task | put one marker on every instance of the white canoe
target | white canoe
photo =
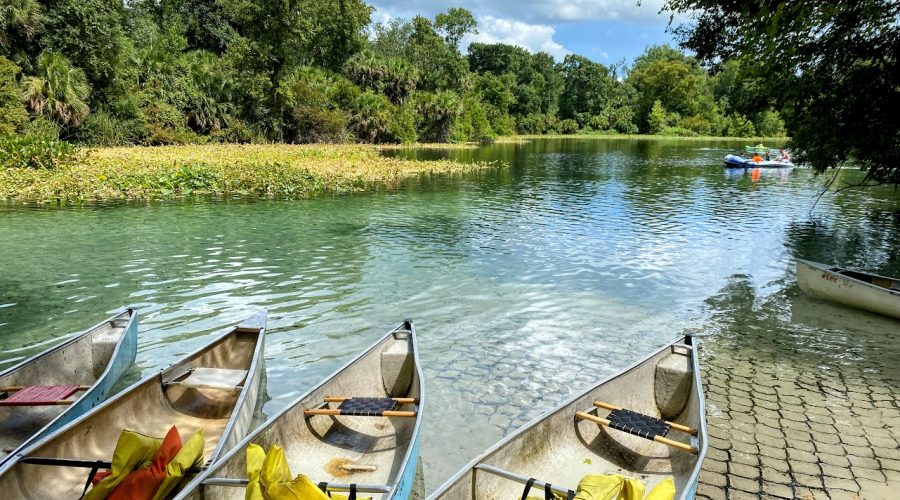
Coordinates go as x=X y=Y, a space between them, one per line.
x=215 y=390
x=378 y=454
x=562 y=446
x=94 y=360
x=871 y=292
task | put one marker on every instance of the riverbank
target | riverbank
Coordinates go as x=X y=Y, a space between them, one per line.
x=276 y=170
x=646 y=137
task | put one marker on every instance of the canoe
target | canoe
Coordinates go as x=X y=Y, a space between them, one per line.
x=93 y=360
x=871 y=292
x=215 y=390
x=573 y=440
x=734 y=161
x=327 y=438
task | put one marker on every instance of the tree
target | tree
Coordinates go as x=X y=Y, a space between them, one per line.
x=12 y=112
x=658 y=119
x=60 y=91
x=20 y=23
x=837 y=65
x=587 y=89
x=454 y=24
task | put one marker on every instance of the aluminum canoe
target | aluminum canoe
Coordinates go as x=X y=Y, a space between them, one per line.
x=559 y=448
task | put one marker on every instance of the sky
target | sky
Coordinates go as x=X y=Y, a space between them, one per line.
x=606 y=31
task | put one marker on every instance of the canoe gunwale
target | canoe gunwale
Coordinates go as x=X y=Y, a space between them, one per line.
x=129 y=329
x=156 y=378
x=700 y=441
x=132 y=312
x=407 y=325
x=830 y=270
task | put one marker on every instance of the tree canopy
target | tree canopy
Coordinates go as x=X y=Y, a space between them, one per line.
x=831 y=67
x=152 y=72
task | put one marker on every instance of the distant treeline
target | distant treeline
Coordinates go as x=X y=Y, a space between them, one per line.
x=108 y=72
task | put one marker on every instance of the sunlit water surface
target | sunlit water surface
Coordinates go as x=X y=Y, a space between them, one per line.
x=527 y=282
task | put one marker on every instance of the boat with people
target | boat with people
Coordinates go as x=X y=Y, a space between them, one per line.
x=760 y=156
x=878 y=294
x=50 y=389
x=210 y=395
x=357 y=432
x=641 y=429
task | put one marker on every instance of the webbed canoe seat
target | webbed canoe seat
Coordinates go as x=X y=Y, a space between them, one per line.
x=225 y=379
x=39 y=395
x=364 y=407
x=638 y=424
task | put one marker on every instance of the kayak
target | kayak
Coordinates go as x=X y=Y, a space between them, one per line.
x=215 y=390
x=734 y=161
x=871 y=292
x=76 y=375
x=357 y=431
x=647 y=422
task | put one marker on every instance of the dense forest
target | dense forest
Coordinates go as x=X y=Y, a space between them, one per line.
x=108 y=72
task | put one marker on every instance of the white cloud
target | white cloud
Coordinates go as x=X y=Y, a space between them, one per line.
x=534 y=37
x=538 y=11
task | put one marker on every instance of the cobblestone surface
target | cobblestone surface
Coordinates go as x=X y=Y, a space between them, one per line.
x=802 y=401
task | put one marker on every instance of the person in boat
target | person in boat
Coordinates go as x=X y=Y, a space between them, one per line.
x=756 y=158
x=784 y=156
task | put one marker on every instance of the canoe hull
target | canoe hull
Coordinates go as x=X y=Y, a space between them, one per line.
x=151 y=407
x=559 y=449
x=121 y=359
x=732 y=161
x=320 y=446
x=824 y=282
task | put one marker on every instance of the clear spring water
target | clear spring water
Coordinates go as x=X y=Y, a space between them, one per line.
x=527 y=282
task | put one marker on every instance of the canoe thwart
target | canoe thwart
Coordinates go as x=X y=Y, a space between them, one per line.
x=40 y=395
x=360 y=488
x=402 y=401
x=623 y=425
x=673 y=425
x=529 y=482
x=363 y=407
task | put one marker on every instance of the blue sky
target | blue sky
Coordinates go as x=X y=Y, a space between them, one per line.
x=606 y=31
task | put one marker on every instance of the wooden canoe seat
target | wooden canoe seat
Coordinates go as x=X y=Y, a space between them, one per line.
x=39 y=395
x=364 y=407
x=213 y=378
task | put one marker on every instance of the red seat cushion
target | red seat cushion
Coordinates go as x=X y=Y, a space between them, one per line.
x=36 y=395
x=143 y=483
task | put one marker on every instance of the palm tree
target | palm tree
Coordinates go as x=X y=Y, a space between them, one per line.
x=371 y=116
x=59 y=91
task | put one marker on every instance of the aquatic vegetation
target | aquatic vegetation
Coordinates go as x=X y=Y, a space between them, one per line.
x=278 y=170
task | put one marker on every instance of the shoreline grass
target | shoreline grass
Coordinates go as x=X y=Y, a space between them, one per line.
x=601 y=135
x=268 y=170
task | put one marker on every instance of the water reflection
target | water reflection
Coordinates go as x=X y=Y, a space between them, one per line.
x=527 y=282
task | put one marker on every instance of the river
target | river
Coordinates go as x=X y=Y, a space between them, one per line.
x=527 y=282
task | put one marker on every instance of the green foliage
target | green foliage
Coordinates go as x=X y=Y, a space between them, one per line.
x=568 y=126
x=20 y=23
x=768 y=123
x=454 y=24
x=837 y=65
x=473 y=123
x=437 y=113
x=311 y=114
x=587 y=90
x=104 y=129
x=59 y=91
x=393 y=77
x=12 y=111
x=35 y=151
x=658 y=119
x=739 y=126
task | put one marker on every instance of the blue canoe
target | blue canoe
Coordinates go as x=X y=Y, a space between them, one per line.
x=359 y=427
x=735 y=161
x=93 y=360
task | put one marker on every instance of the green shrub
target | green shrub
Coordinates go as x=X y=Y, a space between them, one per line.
x=677 y=132
x=568 y=126
x=12 y=110
x=769 y=124
x=103 y=129
x=35 y=151
x=739 y=126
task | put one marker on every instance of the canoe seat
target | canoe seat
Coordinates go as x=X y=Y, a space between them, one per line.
x=39 y=395
x=364 y=407
x=638 y=424
x=213 y=378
